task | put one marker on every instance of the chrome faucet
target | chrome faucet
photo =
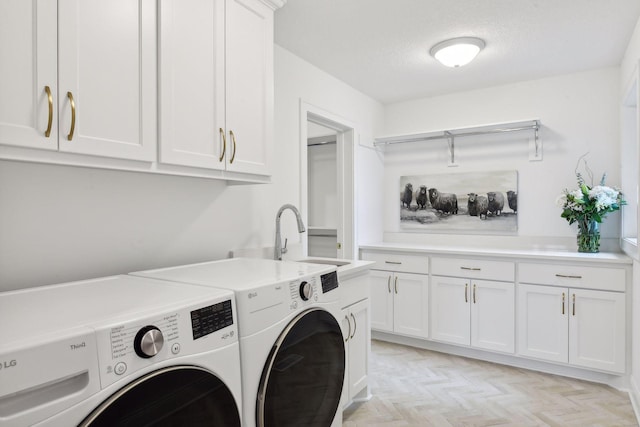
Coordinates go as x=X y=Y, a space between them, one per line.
x=279 y=250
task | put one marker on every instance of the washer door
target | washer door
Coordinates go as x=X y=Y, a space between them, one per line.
x=177 y=396
x=302 y=380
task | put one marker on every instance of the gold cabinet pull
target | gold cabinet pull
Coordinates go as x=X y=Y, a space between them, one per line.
x=73 y=115
x=348 y=333
x=471 y=268
x=474 y=293
x=466 y=292
x=233 y=139
x=389 y=283
x=224 y=144
x=355 y=326
x=47 y=132
x=563 y=298
x=395 y=285
x=574 y=304
x=393 y=262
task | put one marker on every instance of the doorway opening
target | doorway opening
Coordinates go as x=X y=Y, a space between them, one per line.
x=327 y=159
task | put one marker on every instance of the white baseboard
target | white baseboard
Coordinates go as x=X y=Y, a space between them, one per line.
x=634 y=396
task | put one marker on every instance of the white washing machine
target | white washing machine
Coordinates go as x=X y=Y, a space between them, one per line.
x=119 y=351
x=291 y=344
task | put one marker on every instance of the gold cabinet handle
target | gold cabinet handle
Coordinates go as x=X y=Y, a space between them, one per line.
x=574 y=304
x=355 y=326
x=563 y=298
x=395 y=285
x=470 y=268
x=474 y=293
x=47 y=132
x=73 y=115
x=348 y=333
x=224 y=144
x=389 y=283
x=233 y=139
x=393 y=262
x=466 y=292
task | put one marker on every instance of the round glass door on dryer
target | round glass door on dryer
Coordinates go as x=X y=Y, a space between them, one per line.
x=302 y=380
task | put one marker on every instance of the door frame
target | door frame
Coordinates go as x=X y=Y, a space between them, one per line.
x=346 y=134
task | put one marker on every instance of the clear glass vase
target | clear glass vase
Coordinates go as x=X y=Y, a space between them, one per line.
x=589 y=236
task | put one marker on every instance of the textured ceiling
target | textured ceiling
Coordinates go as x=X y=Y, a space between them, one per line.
x=382 y=48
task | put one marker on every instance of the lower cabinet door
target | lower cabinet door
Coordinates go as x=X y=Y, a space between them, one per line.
x=493 y=315
x=542 y=322
x=597 y=330
x=410 y=314
x=449 y=308
x=381 y=300
x=358 y=348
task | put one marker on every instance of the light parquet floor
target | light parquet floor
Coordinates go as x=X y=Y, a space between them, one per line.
x=416 y=387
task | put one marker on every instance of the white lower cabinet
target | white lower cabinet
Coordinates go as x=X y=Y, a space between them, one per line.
x=355 y=323
x=399 y=303
x=356 y=331
x=561 y=310
x=582 y=327
x=479 y=313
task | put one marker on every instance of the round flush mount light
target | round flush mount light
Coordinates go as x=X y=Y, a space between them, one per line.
x=457 y=52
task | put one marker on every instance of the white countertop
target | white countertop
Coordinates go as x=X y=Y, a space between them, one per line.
x=542 y=253
x=351 y=269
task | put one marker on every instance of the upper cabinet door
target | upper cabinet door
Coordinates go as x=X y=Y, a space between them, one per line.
x=107 y=77
x=28 y=56
x=249 y=76
x=192 y=128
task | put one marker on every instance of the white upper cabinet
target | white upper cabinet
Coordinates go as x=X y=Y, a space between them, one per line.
x=249 y=77
x=216 y=84
x=28 y=58
x=103 y=95
x=192 y=113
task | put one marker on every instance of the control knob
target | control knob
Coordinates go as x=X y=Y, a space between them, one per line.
x=148 y=342
x=306 y=291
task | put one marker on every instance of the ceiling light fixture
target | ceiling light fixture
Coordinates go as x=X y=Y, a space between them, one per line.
x=457 y=52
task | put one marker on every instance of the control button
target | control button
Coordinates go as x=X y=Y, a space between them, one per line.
x=306 y=291
x=175 y=348
x=120 y=368
x=148 y=342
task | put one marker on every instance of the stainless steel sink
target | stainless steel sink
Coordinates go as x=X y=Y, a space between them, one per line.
x=335 y=262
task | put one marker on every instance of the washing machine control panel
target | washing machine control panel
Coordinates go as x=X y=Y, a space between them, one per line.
x=304 y=291
x=127 y=347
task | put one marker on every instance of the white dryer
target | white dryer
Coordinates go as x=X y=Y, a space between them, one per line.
x=291 y=343
x=119 y=351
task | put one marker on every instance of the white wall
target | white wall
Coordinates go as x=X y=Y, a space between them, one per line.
x=61 y=223
x=627 y=68
x=297 y=81
x=579 y=113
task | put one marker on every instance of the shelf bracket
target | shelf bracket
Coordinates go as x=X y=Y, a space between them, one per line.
x=451 y=145
x=535 y=144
